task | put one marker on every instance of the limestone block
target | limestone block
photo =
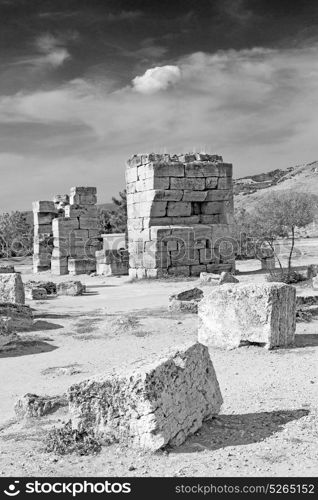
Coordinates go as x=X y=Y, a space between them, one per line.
x=63 y=226
x=11 y=288
x=61 y=199
x=33 y=406
x=196 y=270
x=59 y=266
x=81 y=266
x=260 y=313
x=212 y=182
x=49 y=286
x=186 y=221
x=209 y=278
x=35 y=293
x=43 y=228
x=186 y=301
x=225 y=170
x=73 y=211
x=157 y=221
x=225 y=183
x=189 y=195
x=173 y=169
x=83 y=199
x=179 y=209
x=166 y=195
x=72 y=288
x=218 y=194
x=60 y=253
x=199 y=169
x=212 y=207
x=6 y=268
x=44 y=206
x=83 y=190
x=191 y=184
x=179 y=271
x=156 y=404
x=131 y=175
x=88 y=223
x=210 y=219
x=40 y=218
x=157 y=209
x=21 y=316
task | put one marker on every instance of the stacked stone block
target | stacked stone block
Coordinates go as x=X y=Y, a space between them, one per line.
x=44 y=213
x=70 y=225
x=76 y=235
x=180 y=212
x=113 y=259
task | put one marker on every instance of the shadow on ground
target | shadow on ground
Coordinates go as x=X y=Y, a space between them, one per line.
x=306 y=340
x=41 y=325
x=236 y=430
x=26 y=347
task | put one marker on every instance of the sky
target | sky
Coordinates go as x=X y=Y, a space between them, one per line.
x=85 y=84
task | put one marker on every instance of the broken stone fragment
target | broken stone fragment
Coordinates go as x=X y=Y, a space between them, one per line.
x=231 y=315
x=186 y=301
x=31 y=405
x=36 y=293
x=156 y=404
x=21 y=316
x=4 y=269
x=11 y=288
x=72 y=288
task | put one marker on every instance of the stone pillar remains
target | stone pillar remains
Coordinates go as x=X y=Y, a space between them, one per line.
x=43 y=214
x=180 y=211
x=113 y=259
x=70 y=223
x=231 y=315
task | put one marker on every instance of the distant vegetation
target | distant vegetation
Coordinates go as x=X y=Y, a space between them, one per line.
x=276 y=216
x=114 y=220
x=16 y=235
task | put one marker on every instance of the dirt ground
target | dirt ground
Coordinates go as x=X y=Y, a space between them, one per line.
x=268 y=425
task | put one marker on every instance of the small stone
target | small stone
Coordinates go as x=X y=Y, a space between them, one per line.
x=72 y=288
x=31 y=405
x=227 y=278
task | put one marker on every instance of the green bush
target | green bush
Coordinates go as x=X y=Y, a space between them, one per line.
x=283 y=276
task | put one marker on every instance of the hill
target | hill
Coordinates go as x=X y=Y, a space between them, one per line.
x=251 y=189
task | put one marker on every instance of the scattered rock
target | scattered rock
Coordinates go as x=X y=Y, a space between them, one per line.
x=72 y=288
x=36 y=293
x=4 y=269
x=11 y=288
x=210 y=278
x=31 y=405
x=227 y=278
x=312 y=271
x=158 y=403
x=21 y=316
x=186 y=301
x=254 y=313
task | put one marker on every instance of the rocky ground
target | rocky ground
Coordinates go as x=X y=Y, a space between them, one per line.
x=269 y=420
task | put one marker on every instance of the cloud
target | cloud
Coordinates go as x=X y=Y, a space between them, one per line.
x=156 y=79
x=124 y=15
x=257 y=107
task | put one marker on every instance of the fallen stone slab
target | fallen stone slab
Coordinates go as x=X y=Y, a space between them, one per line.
x=232 y=315
x=11 y=288
x=209 y=278
x=72 y=288
x=21 y=316
x=186 y=301
x=4 y=269
x=156 y=404
x=34 y=406
x=49 y=286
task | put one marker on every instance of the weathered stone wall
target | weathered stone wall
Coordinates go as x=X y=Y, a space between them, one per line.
x=70 y=223
x=155 y=404
x=179 y=209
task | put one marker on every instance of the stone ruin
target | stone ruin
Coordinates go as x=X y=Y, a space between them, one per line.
x=158 y=403
x=66 y=234
x=180 y=211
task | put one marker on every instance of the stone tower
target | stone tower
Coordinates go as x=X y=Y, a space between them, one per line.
x=180 y=212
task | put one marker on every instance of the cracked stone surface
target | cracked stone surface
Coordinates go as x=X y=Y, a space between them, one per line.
x=256 y=313
x=11 y=288
x=32 y=405
x=154 y=405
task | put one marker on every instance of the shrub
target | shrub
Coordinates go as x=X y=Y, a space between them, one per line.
x=65 y=440
x=285 y=276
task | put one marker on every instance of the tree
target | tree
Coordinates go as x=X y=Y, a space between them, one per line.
x=115 y=220
x=278 y=215
x=16 y=235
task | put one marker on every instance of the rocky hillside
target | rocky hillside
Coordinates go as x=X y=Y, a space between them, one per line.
x=251 y=189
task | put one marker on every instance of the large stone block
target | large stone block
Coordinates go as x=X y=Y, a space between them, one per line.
x=72 y=288
x=40 y=218
x=21 y=316
x=258 y=313
x=44 y=206
x=158 y=403
x=191 y=184
x=11 y=288
x=179 y=209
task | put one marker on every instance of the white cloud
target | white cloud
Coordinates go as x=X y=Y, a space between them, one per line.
x=256 y=107
x=155 y=79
